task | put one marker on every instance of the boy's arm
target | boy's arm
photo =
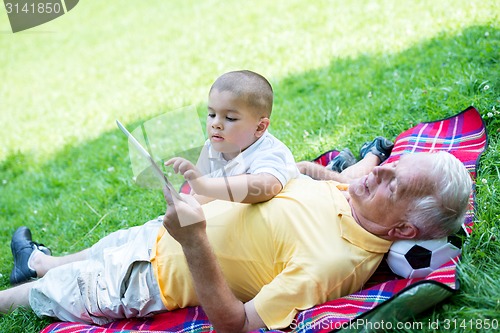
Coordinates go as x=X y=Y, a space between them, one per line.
x=247 y=188
x=202 y=199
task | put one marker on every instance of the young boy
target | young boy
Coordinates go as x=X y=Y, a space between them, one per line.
x=241 y=161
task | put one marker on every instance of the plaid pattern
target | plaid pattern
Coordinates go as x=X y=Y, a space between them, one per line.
x=462 y=135
x=326 y=157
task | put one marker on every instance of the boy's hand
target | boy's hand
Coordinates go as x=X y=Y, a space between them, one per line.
x=184 y=167
x=189 y=171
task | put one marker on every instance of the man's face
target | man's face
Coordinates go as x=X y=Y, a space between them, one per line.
x=231 y=125
x=381 y=199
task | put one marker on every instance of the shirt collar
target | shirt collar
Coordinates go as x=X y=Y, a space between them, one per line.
x=213 y=154
x=357 y=235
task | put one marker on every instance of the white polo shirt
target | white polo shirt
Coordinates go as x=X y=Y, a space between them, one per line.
x=266 y=155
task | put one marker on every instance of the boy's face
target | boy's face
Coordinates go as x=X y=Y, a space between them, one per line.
x=232 y=125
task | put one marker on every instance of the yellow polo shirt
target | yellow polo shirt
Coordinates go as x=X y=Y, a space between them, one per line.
x=300 y=249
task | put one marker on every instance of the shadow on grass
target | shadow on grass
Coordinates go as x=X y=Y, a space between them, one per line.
x=87 y=191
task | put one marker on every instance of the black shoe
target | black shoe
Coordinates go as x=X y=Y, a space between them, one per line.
x=22 y=247
x=380 y=147
x=342 y=161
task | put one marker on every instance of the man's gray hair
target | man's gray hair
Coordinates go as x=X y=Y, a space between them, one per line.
x=442 y=213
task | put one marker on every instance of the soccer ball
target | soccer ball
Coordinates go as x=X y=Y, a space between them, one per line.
x=416 y=259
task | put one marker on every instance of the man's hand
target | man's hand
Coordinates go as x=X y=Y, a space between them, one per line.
x=226 y=313
x=184 y=219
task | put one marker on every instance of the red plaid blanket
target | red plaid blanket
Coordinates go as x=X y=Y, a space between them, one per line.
x=385 y=297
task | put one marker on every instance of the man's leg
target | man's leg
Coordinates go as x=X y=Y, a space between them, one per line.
x=12 y=298
x=68 y=286
x=31 y=259
x=42 y=263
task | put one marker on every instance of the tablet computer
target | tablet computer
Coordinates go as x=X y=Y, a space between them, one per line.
x=144 y=153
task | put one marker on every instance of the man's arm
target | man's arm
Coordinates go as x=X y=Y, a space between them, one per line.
x=318 y=172
x=184 y=220
x=226 y=313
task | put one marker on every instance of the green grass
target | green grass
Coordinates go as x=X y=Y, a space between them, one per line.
x=343 y=72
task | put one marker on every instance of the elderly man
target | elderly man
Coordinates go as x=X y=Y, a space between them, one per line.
x=249 y=266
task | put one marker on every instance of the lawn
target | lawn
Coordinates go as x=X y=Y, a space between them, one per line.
x=343 y=72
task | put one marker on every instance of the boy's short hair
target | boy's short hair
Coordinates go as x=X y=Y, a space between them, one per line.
x=253 y=87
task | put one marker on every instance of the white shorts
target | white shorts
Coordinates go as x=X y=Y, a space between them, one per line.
x=116 y=282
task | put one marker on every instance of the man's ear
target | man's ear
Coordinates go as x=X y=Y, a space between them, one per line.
x=405 y=230
x=262 y=126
